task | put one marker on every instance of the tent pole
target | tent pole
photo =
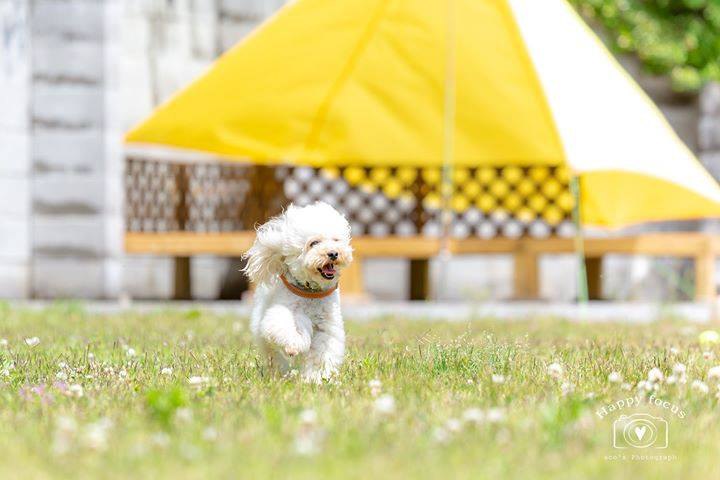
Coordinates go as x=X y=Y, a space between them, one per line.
x=446 y=184
x=582 y=279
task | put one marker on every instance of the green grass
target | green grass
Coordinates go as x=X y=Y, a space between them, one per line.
x=241 y=422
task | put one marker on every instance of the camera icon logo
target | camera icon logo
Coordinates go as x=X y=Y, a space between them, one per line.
x=640 y=430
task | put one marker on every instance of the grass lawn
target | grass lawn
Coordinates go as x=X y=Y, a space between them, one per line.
x=184 y=395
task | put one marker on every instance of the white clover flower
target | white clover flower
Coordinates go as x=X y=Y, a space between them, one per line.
x=473 y=415
x=615 y=377
x=160 y=439
x=700 y=387
x=440 y=435
x=32 y=341
x=130 y=352
x=375 y=387
x=498 y=379
x=62 y=365
x=123 y=373
x=210 y=434
x=76 y=390
x=495 y=415
x=708 y=355
x=3 y=342
x=385 y=404
x=197 y=381
x=655 y=375
x=306 y=445
x=647 y=385
x=671 y=380
x=308 y=441
x=714 y=373
x=626 y=386
x=308 y=417
x=555 y=370
x=95 y=435
x=470 y=381
x=166 y=371
x=66 y=423
x=674 y=351
x=184 y=415
x=679 y=369
x=453 y=425
x=91 y=356
x=61 y=375
x=567 y=388
x=65 y=430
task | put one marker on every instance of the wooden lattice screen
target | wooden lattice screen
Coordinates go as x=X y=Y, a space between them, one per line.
x=486 y=202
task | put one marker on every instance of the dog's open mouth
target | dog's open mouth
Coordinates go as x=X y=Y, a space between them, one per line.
x=327 y=271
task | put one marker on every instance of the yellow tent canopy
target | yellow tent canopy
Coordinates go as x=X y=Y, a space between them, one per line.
x=363 y=82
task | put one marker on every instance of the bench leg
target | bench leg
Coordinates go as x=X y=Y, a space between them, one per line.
x=419 y=279
x=526 y=276
x=182 y=284
x=351 y=281
x=593 y=270
x=705 y=277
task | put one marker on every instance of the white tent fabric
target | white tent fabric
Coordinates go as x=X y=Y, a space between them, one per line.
x=617 y=128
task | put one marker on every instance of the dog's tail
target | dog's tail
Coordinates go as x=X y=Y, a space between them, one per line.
x=264 y=259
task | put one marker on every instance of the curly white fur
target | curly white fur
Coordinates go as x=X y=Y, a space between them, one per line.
x=310 y=246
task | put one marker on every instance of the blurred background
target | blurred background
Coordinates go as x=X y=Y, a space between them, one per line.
x=76 y=74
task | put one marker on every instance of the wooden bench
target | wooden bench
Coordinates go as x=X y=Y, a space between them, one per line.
x=701 y=248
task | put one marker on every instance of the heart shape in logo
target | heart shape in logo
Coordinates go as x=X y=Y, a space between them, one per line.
x=640 y=432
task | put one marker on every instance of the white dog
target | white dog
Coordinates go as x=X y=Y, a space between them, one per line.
x=296 y=262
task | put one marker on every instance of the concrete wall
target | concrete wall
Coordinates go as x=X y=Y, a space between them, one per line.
x=709 y=137
x=76 y=227
x=15 y=163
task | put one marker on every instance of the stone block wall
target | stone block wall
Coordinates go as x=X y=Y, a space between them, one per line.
x=76 y=151
x=15 y=162
x=709 y=133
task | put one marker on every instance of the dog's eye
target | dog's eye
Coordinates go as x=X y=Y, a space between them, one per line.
x=313 y=243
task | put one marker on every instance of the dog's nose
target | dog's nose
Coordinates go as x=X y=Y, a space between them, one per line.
x=332 y=255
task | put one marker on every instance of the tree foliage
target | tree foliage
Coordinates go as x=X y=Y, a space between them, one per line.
x=680 y=38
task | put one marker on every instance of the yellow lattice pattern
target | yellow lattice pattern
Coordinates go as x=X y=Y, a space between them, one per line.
x=525 y=193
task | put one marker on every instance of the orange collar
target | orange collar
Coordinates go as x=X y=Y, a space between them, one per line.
x=304 y=293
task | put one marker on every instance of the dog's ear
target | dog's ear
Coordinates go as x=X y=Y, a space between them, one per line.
x=265 y=257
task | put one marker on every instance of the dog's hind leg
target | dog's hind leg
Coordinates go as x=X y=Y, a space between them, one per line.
x=325 y=356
